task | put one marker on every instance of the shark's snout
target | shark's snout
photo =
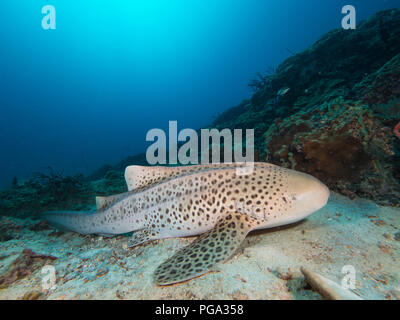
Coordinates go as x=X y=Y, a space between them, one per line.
x=316 y=194
x=308 y=194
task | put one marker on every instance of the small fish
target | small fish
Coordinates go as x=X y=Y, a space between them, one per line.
x=282 y=92
x=212 y=201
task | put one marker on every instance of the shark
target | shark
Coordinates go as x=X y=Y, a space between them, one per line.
x=219 y=203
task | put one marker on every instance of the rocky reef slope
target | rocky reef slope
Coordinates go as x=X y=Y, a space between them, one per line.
x=336 y=118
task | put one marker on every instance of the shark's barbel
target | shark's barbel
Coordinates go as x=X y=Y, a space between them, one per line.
x=218 y=202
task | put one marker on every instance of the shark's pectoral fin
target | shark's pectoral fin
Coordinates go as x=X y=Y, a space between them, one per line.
x=206 y=251
x=140 y=237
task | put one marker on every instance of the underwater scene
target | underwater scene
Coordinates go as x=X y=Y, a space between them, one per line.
x=200 y=150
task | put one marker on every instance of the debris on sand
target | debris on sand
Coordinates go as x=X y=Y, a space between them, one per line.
x=327 y=288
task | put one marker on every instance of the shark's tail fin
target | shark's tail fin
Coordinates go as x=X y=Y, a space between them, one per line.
x=68 y=220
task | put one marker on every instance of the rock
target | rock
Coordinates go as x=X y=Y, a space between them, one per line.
x=397 y=236
x=8 y=229
x=26 y=263
x=32 y=295
x=288 y=275
x=238 y=295
x=102 y=272
x=40 y=226
x=5 y=237
x=396 y=293
x=91 y=277
x=388 y=236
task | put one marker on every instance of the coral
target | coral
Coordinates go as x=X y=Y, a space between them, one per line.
x=32 y=295
x=232 y=113
x=329 y=69
x=26 y=263
x=46 y=191
x=335 y=122
x=54 y=191
x=56 y=186
x=342 y=143
x=8 y=229
x=112 y=183
x=262 y=80
x=40 y=226
x=396 y=130
x=382 y=85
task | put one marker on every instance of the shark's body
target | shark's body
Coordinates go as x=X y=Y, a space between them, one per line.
x=222 y=202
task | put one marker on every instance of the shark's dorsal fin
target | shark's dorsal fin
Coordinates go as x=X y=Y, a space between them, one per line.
x=137 y=177
x=105 y=202
x=100 y=202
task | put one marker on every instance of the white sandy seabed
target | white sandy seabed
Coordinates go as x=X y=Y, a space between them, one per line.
x=355 y=233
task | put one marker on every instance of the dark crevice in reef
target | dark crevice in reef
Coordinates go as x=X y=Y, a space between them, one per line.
x=328 y=111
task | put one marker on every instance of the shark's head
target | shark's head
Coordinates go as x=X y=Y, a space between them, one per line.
x=279 y=196
x=307 y=195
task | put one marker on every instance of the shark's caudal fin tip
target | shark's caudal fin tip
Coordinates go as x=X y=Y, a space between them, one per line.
x=45 y=215
x=48 y=216
x=62 y=220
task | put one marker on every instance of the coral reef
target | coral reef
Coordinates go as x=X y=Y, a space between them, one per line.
x=46 y=191
x=54 y=191
x=348 y=143
x=344 y=144
x=336 y=120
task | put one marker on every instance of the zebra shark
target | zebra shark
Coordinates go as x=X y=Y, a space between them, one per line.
x=217 y=202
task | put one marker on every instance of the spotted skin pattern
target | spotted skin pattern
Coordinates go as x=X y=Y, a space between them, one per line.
x=206 y=251
x=164 y=202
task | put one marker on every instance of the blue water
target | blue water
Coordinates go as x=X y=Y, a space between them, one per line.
x=86 y=93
